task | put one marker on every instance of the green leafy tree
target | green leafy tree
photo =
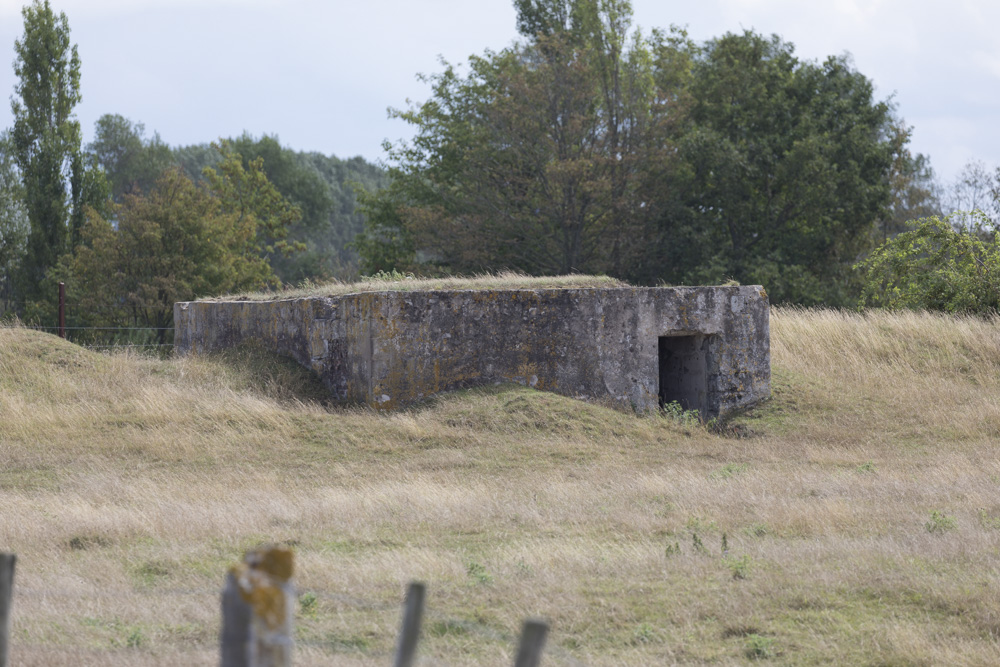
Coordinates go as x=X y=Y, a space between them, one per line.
x=322 y=186
x=302 y=185
x=915 y=191
x=791 y=162
x=131 y=162
x=14 y=224
x=345 y=178
x=261 y=216
x=591 y=147
x=178 y=242
x=539 y=159
x=46 y=138
x=934 y=265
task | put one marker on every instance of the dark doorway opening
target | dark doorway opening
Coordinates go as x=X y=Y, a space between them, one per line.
x=684 y=372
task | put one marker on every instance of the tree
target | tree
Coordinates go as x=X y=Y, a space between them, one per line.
x=46 y=139
x=302 y=185
x=975 y=189
x=177 y=242
x=14 y=224
x=255 y=208
x=539 y=159
x=916 y=193
x=791 y=162
x=321 y=186
x=937 y=264
x=131 y=162
x=590 y=147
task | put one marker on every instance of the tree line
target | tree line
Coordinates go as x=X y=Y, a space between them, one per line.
x=131 y=224
x=588 y=145
x=591 y=146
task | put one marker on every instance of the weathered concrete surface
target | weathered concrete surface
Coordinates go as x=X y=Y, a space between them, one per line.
x=388 y=349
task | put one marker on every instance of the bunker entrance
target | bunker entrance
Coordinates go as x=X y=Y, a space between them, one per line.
x=684 y=372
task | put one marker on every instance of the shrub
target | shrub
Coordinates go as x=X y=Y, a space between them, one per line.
x=935 y=265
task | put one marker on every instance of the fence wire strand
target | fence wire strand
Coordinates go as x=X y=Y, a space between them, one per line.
x=484 y=631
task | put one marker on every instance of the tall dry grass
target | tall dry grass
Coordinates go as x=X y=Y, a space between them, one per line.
x=861 y=515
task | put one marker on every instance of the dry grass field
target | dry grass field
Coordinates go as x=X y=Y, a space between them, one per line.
x=860 y=508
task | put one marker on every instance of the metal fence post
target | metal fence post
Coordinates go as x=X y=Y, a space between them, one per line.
x=62 y=310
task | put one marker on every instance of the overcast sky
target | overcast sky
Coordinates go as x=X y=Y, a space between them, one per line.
x=320 y=74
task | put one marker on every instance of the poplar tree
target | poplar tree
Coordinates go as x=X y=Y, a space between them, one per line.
x=46 y=138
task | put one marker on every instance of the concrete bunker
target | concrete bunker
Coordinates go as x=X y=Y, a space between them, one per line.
x=708 y=348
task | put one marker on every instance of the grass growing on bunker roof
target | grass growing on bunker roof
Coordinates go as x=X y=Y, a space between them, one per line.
x=855 y=521
x=396 y=282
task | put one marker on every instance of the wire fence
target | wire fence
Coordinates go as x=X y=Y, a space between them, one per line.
x=112 y=338
x=151 y=339
x=340 y=602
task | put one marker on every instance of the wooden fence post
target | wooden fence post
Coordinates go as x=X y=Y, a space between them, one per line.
x=237 y=646
x=7 y=562
x=409 y=633
x=258 y=604
x=529 y=653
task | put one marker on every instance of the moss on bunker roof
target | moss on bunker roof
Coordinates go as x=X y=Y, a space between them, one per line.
x=500 y=281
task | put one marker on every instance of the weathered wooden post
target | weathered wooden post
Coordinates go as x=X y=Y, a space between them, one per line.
x=409 y=633
x=7 y=562
x=529 y=653
x=258 y=603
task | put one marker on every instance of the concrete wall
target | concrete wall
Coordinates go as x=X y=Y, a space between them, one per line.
x=388 y=349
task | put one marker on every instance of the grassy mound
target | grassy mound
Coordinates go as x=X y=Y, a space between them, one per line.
x=858 y=509
x=502 y=281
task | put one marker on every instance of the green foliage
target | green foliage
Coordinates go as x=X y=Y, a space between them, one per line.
x=307 y=603
x=46 y=139
x=758 y=647
x=988 y=520
x=178 y=242
x=915 y=192
x=592 y=147
x=738 y=567
x=935 y=266
x=131 y=162
x=672 y=549
x=14 y=225
x=674 y=412
x=644 y=633
x=867 y=467
x=940 y=523
x=321 y=186
x=477 y=572
x=730 y=470
x=136 y=638
x=301 y=184
x=790 y=162
x=540 y=159
x=258 y=213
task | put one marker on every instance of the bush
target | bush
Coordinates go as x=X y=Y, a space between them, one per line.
x=936 y=266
